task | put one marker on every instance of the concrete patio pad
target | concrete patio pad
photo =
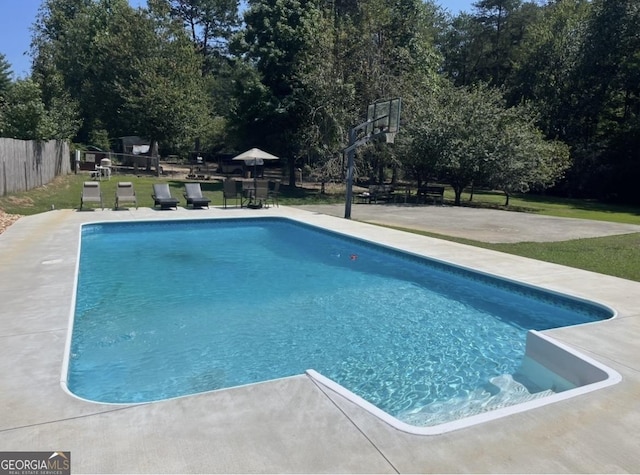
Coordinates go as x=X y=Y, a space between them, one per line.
x=488 y=225
x=294 y=425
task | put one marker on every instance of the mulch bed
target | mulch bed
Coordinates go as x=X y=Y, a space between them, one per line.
x=7 y=220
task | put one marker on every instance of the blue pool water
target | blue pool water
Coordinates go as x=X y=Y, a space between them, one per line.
x=165 y=309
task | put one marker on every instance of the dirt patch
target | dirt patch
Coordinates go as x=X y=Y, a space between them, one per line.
x=22 y=202
x=7 y=220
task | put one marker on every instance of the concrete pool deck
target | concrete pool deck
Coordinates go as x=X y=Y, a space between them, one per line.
x=293 y=425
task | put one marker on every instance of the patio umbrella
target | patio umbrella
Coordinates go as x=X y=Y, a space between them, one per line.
x=254 y=157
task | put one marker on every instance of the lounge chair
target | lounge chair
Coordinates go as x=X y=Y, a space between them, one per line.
x=162 y=196
x=193 y=195
x=91 y=193
x=230 y=191
x=125 y=194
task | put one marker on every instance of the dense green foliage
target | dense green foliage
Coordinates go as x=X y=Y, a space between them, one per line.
x=467 y=135
x=577 y=63
x=515 y=95
x=24 y=115
x=136 y=72
x=5 y=75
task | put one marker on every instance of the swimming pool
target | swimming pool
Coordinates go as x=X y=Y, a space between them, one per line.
x=165 y=309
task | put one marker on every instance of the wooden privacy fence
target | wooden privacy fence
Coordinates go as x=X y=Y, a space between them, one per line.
x=27 y=164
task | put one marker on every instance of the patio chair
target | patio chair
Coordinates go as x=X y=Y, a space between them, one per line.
x=91 y=193
x=248 y=192
x=125 y=194
x=194 y=197
x=274 y=191
x=262 y=192
x=230 y=191
x=96 y=174
x=162 y=196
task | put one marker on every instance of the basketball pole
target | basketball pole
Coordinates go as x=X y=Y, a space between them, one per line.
x=351 y=152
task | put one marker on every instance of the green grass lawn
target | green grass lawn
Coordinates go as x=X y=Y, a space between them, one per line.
x=553 y=206
x=64 y=193
x=616 y=255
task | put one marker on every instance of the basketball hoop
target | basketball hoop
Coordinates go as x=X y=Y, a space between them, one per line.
x=383 y=118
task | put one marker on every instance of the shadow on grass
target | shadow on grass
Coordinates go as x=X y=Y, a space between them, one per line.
x=553 y=205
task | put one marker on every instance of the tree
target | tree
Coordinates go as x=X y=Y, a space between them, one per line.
x=329 y=101
x=130 y=71
x=404 y=61
x=210 y=24
x=523 y=159
x=608 y=105
x=450 y=136
x=495 y=17
x=467 y=135
x=25 y=116
x=5 y=74
x=167 y=100
x=545 y=71
x=485 y=46
x=5 y=83
x=276 y=40
x=321 y=64
x=462 y=49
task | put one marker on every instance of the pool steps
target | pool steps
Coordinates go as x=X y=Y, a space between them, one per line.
x=550 y=372
x=503 y=391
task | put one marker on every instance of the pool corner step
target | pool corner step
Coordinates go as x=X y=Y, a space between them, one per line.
x=501 y=391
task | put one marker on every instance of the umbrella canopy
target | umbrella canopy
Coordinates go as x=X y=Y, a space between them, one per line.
x=255 y=156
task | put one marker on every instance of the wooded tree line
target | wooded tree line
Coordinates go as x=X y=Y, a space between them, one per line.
x=514 y=95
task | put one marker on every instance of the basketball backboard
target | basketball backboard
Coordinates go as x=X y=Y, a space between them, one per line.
x=383 y=117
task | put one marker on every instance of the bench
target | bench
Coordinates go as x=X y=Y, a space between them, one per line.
x=377 y=192
x=435 y=193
